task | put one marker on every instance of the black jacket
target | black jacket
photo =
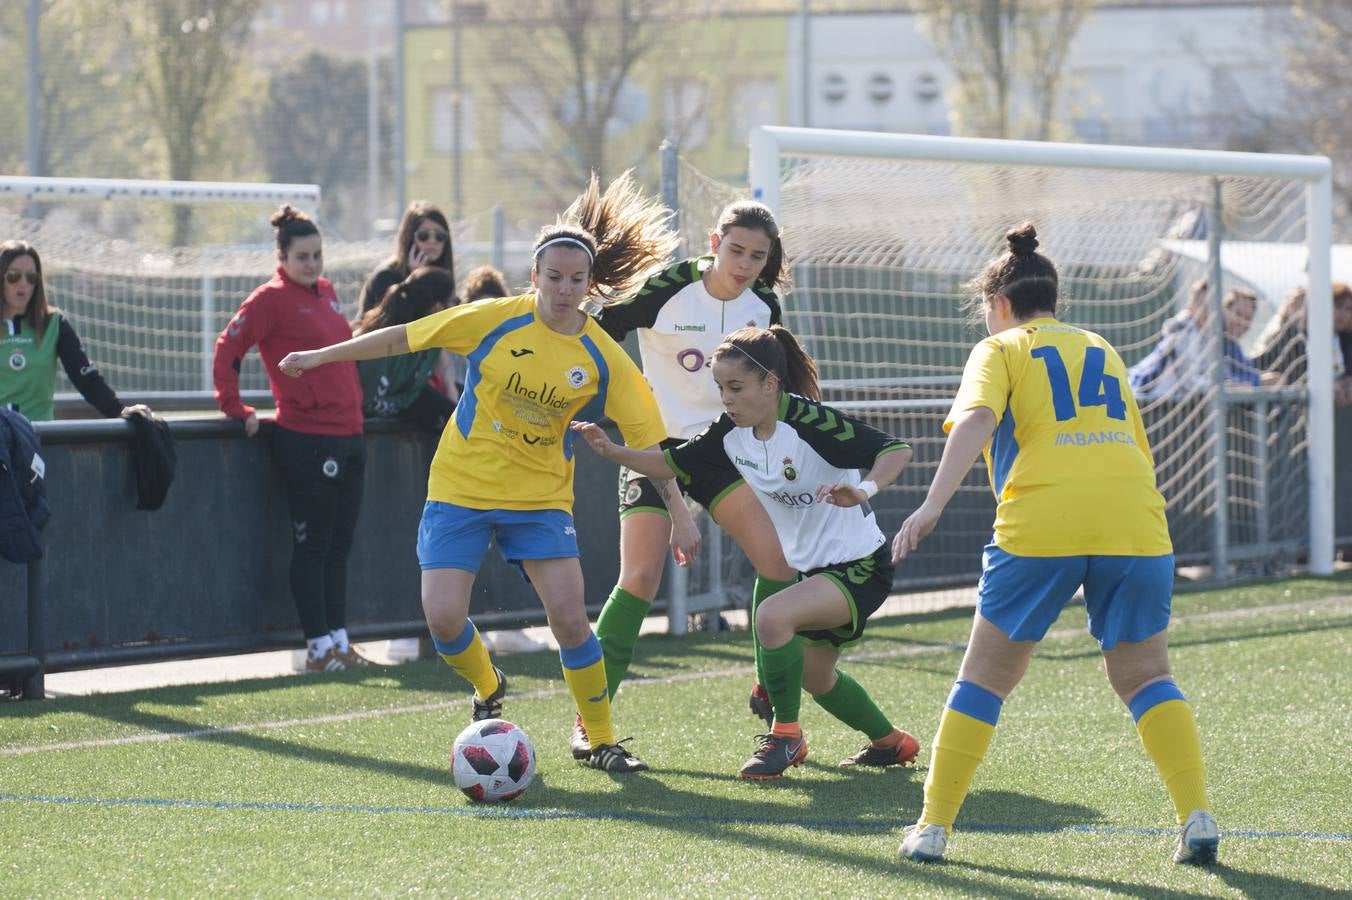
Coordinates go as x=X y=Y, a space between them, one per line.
x=155 y=459
x=23 y=489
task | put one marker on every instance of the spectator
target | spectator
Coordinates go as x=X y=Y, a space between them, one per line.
x=424 y=239
x=397 y=385
x=1282 y=348
x=35 y=337
x=1237 y=310
x=484 y=282
x=1342 y=326
x=317 y=434
x=1180 y=364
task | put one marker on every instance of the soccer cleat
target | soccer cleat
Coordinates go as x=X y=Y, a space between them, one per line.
x=491 y=706
x=1198 y=839
x=761 y=705
x=902 y=753
x=924 y=843
x=352 y=659
x=329 y=662
x=774 y=755
x=615 y=758
x=580 y=744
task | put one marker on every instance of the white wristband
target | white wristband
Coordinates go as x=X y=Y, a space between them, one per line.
x=869 y=488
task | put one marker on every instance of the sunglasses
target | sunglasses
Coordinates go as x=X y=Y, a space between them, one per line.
x=13 y=276
x=430 y=234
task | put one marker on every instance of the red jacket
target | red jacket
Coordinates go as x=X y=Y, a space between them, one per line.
x=282 y=316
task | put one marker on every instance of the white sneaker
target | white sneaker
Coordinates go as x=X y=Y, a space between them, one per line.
x=924 y=844
x=1197 y=839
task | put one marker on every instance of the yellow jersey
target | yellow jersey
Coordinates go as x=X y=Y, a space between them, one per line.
x=508 y=445
x=1069 y=461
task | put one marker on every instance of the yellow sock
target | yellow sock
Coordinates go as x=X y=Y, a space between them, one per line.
x=469 y=657
x=959 y=748
x=584 y=672
x=1169 y=734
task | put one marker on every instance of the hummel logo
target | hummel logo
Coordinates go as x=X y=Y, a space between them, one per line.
x=522 y=352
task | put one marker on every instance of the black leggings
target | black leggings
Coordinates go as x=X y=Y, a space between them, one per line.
x=323 y=476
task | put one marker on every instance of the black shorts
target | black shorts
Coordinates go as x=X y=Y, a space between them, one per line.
x=637 y=493
x=866 y=583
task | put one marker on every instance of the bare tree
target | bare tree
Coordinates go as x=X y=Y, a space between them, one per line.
x=187 y=53
x=86 y=125
x=568 y=90
x=1319 y=34
x=1008 y=57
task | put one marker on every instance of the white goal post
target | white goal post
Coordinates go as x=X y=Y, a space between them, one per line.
x=858 y=189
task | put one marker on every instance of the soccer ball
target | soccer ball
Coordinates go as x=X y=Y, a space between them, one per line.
x=492 y=761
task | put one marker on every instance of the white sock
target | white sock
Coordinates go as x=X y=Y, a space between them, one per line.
x=340 y=641
x=319 y=646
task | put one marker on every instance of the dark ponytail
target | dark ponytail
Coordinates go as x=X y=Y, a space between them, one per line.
x=291 y=223
x=773 y=349
x=1022 y=274
x=429 y=289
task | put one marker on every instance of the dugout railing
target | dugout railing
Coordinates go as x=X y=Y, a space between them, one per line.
x=206 y=574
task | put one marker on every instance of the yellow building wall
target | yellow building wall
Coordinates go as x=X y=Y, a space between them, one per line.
x=732 y=58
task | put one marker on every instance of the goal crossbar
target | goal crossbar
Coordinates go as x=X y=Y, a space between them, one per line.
x=769 y=144
x=191 y=192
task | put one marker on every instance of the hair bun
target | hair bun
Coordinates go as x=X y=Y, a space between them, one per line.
x=287 y=213
x=1022 y=240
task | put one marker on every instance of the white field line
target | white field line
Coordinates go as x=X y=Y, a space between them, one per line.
x=159 y=736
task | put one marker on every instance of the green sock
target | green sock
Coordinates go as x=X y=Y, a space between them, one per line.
x=851 y=704
x=784 y=679
x=763 y=588
x=617 y=629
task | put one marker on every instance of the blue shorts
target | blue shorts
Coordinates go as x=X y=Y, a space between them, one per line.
x=1128 y=597
x=456 y=537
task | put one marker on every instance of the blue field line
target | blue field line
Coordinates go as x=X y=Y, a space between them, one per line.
x=544 y=814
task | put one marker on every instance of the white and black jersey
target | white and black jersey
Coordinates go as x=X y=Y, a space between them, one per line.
x=812 y=445
x=679 y=325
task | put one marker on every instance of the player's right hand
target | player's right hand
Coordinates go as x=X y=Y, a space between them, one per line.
x=595 y=436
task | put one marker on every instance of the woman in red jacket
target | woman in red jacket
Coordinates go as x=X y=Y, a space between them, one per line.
x=317 y=433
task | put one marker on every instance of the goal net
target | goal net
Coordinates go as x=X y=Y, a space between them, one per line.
x=150 y=272
x=882 y=231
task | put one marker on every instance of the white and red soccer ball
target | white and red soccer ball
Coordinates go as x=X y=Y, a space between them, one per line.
x=492 y=761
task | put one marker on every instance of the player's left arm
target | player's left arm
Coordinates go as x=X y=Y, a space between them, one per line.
x=887 y=465
x=650 y=462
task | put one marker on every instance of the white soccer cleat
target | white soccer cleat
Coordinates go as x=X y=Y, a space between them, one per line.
x=924 y=844
x=1197 y=839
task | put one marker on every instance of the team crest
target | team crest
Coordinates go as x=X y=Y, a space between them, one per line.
x=632 y=491
x=577 y=376
x=790 y=473
x=18 y=361
x=335 y=306
x=330 y=468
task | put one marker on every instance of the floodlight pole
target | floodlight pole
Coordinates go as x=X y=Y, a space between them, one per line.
x=34 y=148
